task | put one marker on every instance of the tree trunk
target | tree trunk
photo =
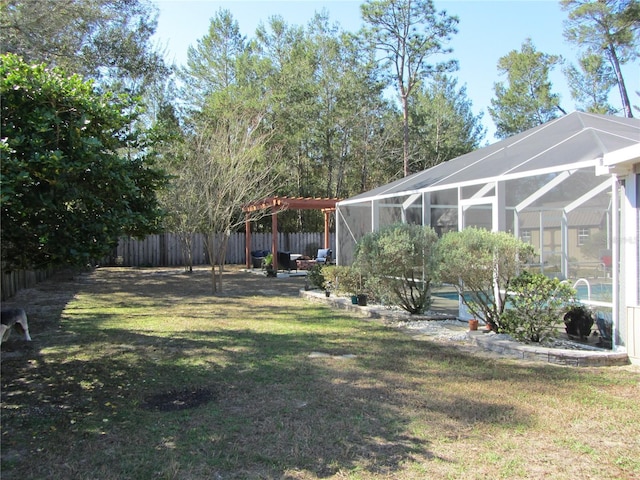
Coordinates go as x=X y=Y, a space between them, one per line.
x=214 y=282
x=405 y=134
x=626 y=105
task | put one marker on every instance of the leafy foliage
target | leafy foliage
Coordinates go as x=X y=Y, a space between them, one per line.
x=400 y=260
x=536 y=307
x=106 y=40
x=526 y=101
x=71 y=183
x=609 y=29
x=481 y=266
x=315 y=276
x=441 y=117
x=344 y=279
x=591 y=83
x=409 y=34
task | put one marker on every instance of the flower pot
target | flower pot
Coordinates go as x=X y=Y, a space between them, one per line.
x=327 y=293
x=473 y=324
x=362 y=300
x=354 y=299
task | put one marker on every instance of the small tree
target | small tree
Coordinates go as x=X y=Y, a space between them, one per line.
x=224 y=170
x=536 y=307
x=401 y=260
x=481 y=266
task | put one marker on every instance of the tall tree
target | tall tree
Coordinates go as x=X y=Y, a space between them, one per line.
x=70 y=186
x=293 y=96
x=212 y=65
x=591 y=83
x=527 y=100
x=409 y=33
x=444 y=125
x=606 y=27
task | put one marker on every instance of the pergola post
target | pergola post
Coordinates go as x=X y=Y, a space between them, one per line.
x=274 y=237
x=247 y=240
x=326 y=228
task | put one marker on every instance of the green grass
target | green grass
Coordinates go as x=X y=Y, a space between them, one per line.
x=79 y=402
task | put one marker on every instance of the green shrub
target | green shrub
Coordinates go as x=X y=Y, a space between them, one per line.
x=316 y=277
x=536 y=307
x=481 y=266
x=344 y=279
x=399 y=264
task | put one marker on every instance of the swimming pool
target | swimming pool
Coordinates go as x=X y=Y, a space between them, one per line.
x=601 y=292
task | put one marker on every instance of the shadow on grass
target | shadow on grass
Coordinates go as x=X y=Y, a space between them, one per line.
x=373 y=401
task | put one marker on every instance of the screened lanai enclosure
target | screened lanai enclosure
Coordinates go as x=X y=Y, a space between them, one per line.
x=548 y=186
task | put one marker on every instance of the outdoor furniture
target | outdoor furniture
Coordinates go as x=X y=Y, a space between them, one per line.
x=324 y=256
x=305 y=263
x=285 y=262
x=257 y=258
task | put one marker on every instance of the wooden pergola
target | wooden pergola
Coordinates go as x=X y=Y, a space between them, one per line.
x=277 y=204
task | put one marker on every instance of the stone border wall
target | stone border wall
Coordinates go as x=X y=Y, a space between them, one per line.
x=558 y=356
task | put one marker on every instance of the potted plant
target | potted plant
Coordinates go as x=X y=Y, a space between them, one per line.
x=358 y=287
x=268 y=265
x=362 y=299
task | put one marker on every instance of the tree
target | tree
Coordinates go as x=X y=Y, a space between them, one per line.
x=212 y=65
x=409 y=33
x=222 y=169
x=606 y=27
x=106 y=40
x=443 y=124
x=71 y=184
x=592 y=83
x=527 y=101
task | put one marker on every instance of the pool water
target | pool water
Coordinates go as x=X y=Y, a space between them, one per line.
x=599 y=291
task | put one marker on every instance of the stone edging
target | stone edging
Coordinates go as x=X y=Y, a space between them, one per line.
x=575 y=358
x=560 y=356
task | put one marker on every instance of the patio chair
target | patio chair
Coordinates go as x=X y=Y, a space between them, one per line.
x=324 y=256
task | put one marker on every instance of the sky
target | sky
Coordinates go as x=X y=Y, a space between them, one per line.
x=487 y=31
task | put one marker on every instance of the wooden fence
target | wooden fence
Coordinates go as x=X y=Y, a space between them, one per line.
x=166 y=250
x=20 y=279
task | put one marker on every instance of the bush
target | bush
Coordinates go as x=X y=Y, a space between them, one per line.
x=536 y=306
x=316 y=277
x=481 y=266
x=344 y=279
x=399 y=263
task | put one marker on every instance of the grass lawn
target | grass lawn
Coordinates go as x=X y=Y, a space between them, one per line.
x=143 y=374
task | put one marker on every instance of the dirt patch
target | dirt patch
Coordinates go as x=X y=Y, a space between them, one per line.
x=178 y=400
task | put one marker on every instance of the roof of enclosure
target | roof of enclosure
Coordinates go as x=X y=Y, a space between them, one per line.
x=572 y=141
